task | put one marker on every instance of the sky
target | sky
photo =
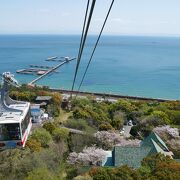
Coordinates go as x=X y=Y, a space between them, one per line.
x=129 y=17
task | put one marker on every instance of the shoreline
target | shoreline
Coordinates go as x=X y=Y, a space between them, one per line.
x=108 y=96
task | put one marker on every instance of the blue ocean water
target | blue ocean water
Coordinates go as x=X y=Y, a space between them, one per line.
x=127 y=65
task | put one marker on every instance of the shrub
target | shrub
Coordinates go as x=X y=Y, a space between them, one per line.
x=174 y=116
x=60 y=134
x=77 y=142
x=50 y=127
x=123 y=105
x=56 y=99
x=42 y=136
x=105 y=127
x=79 y=124
x=41 y=173
x=162 y=116
x=33 y=145
x=154 y=160
x=53 y=110
x=118 y=120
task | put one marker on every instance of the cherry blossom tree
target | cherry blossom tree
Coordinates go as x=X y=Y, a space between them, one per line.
x=89 y=156
x=114 y=139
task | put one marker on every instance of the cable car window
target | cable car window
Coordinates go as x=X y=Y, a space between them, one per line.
x=9 y=132
x=25 y=122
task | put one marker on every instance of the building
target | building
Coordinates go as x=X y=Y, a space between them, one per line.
x=36 y=113
x=43 y=100
x=132 y=156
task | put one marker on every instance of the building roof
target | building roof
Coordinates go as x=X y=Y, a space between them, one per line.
x=14 y=117
x=131 y=156
x=156 y=148
x=148 y=141
x=43 y=98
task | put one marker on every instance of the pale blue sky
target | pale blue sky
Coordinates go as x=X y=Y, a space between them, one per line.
x=136 y=17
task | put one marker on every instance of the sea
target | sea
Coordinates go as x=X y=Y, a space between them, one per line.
x=125 y=65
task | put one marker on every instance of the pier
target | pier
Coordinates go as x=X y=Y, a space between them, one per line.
x=50 y=70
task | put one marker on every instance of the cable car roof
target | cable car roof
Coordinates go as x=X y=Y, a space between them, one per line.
x=14 y=117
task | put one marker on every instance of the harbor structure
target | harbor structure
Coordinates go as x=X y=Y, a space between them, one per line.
x=50 y=71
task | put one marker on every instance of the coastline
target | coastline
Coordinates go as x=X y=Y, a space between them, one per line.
x=108 y=96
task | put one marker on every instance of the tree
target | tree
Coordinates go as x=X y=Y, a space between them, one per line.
x=89 y=156
x=160 y=167
x=162 y=116
x=153 y=161
x=118 y=120
x=99 y=173
x=42 y=136
x=56 y=99
x=50 y=127
x=60 y=134
x=167 y=171
x=123 y=105
x=174 y=116
x=77 y=142
x=53 y=110
x=105 y=127
x=120 y=173
x=9 y=162
x=41 y=173
x=34 y=145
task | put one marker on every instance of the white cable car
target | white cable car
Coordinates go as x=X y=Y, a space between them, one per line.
x=15 y=119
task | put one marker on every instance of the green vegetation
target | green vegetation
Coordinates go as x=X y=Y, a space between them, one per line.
x=47 y=149
x=113 y=115
x=154 y=167
x=26 y=93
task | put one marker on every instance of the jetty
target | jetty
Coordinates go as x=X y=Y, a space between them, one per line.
x=50 y=71
x=35 y=71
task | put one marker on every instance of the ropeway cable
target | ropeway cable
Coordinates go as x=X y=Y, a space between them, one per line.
x=95 y=45
x=84 y=35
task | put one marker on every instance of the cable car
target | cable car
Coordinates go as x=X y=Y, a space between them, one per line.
x=15 y=118
x=15 y=126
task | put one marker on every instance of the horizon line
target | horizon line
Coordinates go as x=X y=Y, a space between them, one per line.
x=92 y=34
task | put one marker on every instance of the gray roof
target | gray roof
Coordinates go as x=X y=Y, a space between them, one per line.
x=43 y=98
x=131 y=156
x=148 y=141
